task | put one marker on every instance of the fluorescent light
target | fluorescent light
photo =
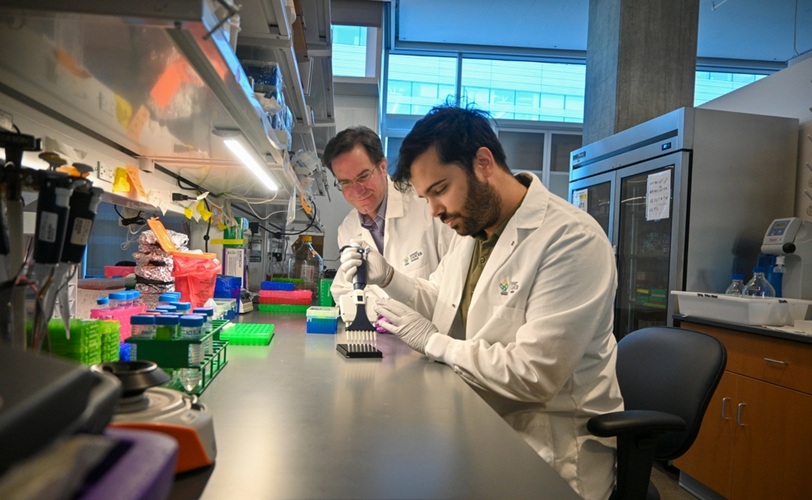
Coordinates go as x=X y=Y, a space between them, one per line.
x=235 y=144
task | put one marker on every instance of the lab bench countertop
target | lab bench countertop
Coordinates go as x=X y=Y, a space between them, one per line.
x=751 y=329
x=296 y=419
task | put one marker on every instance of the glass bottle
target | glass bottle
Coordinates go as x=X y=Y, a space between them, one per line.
x=736 y=286
x=758 y=286
x=307 y=266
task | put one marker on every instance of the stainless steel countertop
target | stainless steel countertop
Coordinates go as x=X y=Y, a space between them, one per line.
x=298 y=420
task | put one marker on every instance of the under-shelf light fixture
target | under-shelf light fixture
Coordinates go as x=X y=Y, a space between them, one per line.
x=235 y=141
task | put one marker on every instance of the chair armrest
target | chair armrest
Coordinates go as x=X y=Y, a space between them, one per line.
x=634 y=422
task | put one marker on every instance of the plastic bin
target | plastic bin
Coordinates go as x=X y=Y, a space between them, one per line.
x=742 y=310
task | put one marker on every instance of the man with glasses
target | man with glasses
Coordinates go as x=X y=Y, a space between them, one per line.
x=396 y=224
x=522 y=306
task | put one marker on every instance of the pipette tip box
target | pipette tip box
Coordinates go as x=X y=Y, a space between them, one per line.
x=322 y=319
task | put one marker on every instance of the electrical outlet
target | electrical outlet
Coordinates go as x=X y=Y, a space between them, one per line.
x=105 y=172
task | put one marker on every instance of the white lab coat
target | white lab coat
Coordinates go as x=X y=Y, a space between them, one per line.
x=413 y=240
x=539 y=346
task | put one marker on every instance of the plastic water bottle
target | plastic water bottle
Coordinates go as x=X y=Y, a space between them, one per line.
x=736 y=286
x=758 y=286
x=307 y=266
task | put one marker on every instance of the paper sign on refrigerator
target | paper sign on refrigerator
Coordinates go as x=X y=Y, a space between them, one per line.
x=658 y=196
x=580 y=199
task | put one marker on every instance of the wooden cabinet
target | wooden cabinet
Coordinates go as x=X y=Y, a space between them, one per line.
x=756 y=438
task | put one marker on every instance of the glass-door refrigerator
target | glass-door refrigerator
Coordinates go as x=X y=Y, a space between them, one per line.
x=685 y=199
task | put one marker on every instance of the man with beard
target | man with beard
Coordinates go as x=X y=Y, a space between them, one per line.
x=522 y=309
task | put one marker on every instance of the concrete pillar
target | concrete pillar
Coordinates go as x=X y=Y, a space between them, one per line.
x=641 y=62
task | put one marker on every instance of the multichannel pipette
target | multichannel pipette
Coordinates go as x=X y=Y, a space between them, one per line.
x=361 y=335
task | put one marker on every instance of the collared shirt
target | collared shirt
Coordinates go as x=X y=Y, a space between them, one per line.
x=482 y=252
x=375 y=226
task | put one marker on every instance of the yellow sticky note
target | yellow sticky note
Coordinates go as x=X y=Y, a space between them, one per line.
x=120 y=182
x=204 y=212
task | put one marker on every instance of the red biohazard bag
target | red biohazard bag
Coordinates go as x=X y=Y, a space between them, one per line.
x=195 y=273
x=195 y=277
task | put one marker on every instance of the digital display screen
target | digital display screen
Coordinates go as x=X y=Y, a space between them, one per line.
x=778 y=228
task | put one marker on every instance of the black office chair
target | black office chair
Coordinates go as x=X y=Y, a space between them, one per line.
x=667 y=376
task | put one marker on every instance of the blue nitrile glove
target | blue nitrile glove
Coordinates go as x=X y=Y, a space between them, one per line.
x=379 y=272
x=406 y=323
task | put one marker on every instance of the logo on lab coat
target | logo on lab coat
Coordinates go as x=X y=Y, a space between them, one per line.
x=412 y=257
x=506 y=287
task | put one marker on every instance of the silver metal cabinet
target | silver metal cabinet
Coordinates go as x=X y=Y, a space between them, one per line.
x=685 y=199
x=297 y=420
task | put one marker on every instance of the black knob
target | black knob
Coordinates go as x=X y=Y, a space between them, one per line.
x=788 y=248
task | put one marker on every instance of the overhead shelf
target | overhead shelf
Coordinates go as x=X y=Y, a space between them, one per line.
x=154 y=81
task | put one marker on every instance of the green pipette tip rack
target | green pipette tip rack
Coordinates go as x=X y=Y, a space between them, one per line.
x=90 y=342
x=247 y=333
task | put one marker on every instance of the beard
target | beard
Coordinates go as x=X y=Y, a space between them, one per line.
x=481 y=209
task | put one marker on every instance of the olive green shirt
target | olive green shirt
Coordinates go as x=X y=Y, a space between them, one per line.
x=482 y=252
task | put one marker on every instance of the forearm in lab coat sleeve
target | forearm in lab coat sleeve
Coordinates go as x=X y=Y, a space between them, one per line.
x=566 y=330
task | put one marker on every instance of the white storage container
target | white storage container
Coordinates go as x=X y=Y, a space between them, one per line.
x=743 y=310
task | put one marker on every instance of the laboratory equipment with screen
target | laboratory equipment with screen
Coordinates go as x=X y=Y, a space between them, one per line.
x=792 y=238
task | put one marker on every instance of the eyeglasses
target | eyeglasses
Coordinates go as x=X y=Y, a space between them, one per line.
x=361 y=178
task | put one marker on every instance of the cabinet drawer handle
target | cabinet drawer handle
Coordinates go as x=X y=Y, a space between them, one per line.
x=776 y=361
x=724 y=408
x=739 y=411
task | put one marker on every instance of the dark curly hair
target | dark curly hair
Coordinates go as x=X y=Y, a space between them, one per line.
x=456 y=133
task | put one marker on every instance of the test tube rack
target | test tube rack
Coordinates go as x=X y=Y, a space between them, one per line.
x=173 y=354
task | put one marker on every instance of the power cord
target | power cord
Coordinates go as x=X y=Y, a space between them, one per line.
x=138 y=220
